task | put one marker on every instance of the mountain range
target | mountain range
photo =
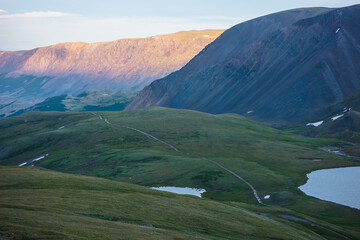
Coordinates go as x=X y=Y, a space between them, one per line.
x=73 y=165
x=283 y=68
x=27 y=77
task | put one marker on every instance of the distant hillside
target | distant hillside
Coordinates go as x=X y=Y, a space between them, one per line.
x=343 y=124
x=284 y=68
x=71 y=68
x=91 y=100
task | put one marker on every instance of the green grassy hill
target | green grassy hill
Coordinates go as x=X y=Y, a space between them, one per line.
x=274 y=162
x=42 y=204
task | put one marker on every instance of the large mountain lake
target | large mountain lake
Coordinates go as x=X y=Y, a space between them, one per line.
x=338 y=185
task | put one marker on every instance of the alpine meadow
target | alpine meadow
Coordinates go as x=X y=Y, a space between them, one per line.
x=244 y=123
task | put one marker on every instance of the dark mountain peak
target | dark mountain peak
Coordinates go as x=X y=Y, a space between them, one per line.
x=280 y=68
x=245 y=34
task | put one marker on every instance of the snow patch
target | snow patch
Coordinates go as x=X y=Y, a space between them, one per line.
x=315 y=124
x=39 y=158
x=206 y=35
x=33 y=160
x=337 y=30
x=267 y=197
x=336 y=117
x=251 y=111
x=61 y=127
x=346 y=109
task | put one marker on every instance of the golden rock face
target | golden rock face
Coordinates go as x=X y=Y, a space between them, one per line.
x=133 y=62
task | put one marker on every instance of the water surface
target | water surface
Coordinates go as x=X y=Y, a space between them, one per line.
x=338 y=185
x=182 y=190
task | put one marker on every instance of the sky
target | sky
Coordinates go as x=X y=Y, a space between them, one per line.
x=27 y=24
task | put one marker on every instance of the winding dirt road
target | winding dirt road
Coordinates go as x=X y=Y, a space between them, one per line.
x=177 y=150
x=154 y=138
x=239 y=177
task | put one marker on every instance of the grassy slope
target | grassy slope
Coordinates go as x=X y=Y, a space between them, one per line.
x=273 y=161
x=36 y=203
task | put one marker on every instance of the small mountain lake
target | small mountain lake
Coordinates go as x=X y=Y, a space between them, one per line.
x=338 y=185
x=182 y=190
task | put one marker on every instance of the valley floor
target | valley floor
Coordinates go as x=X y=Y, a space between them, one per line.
x=238 y=162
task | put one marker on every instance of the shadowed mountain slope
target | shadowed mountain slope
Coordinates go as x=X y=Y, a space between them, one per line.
x=286 y=67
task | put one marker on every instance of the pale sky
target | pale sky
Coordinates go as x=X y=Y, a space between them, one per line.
x=27 y=24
